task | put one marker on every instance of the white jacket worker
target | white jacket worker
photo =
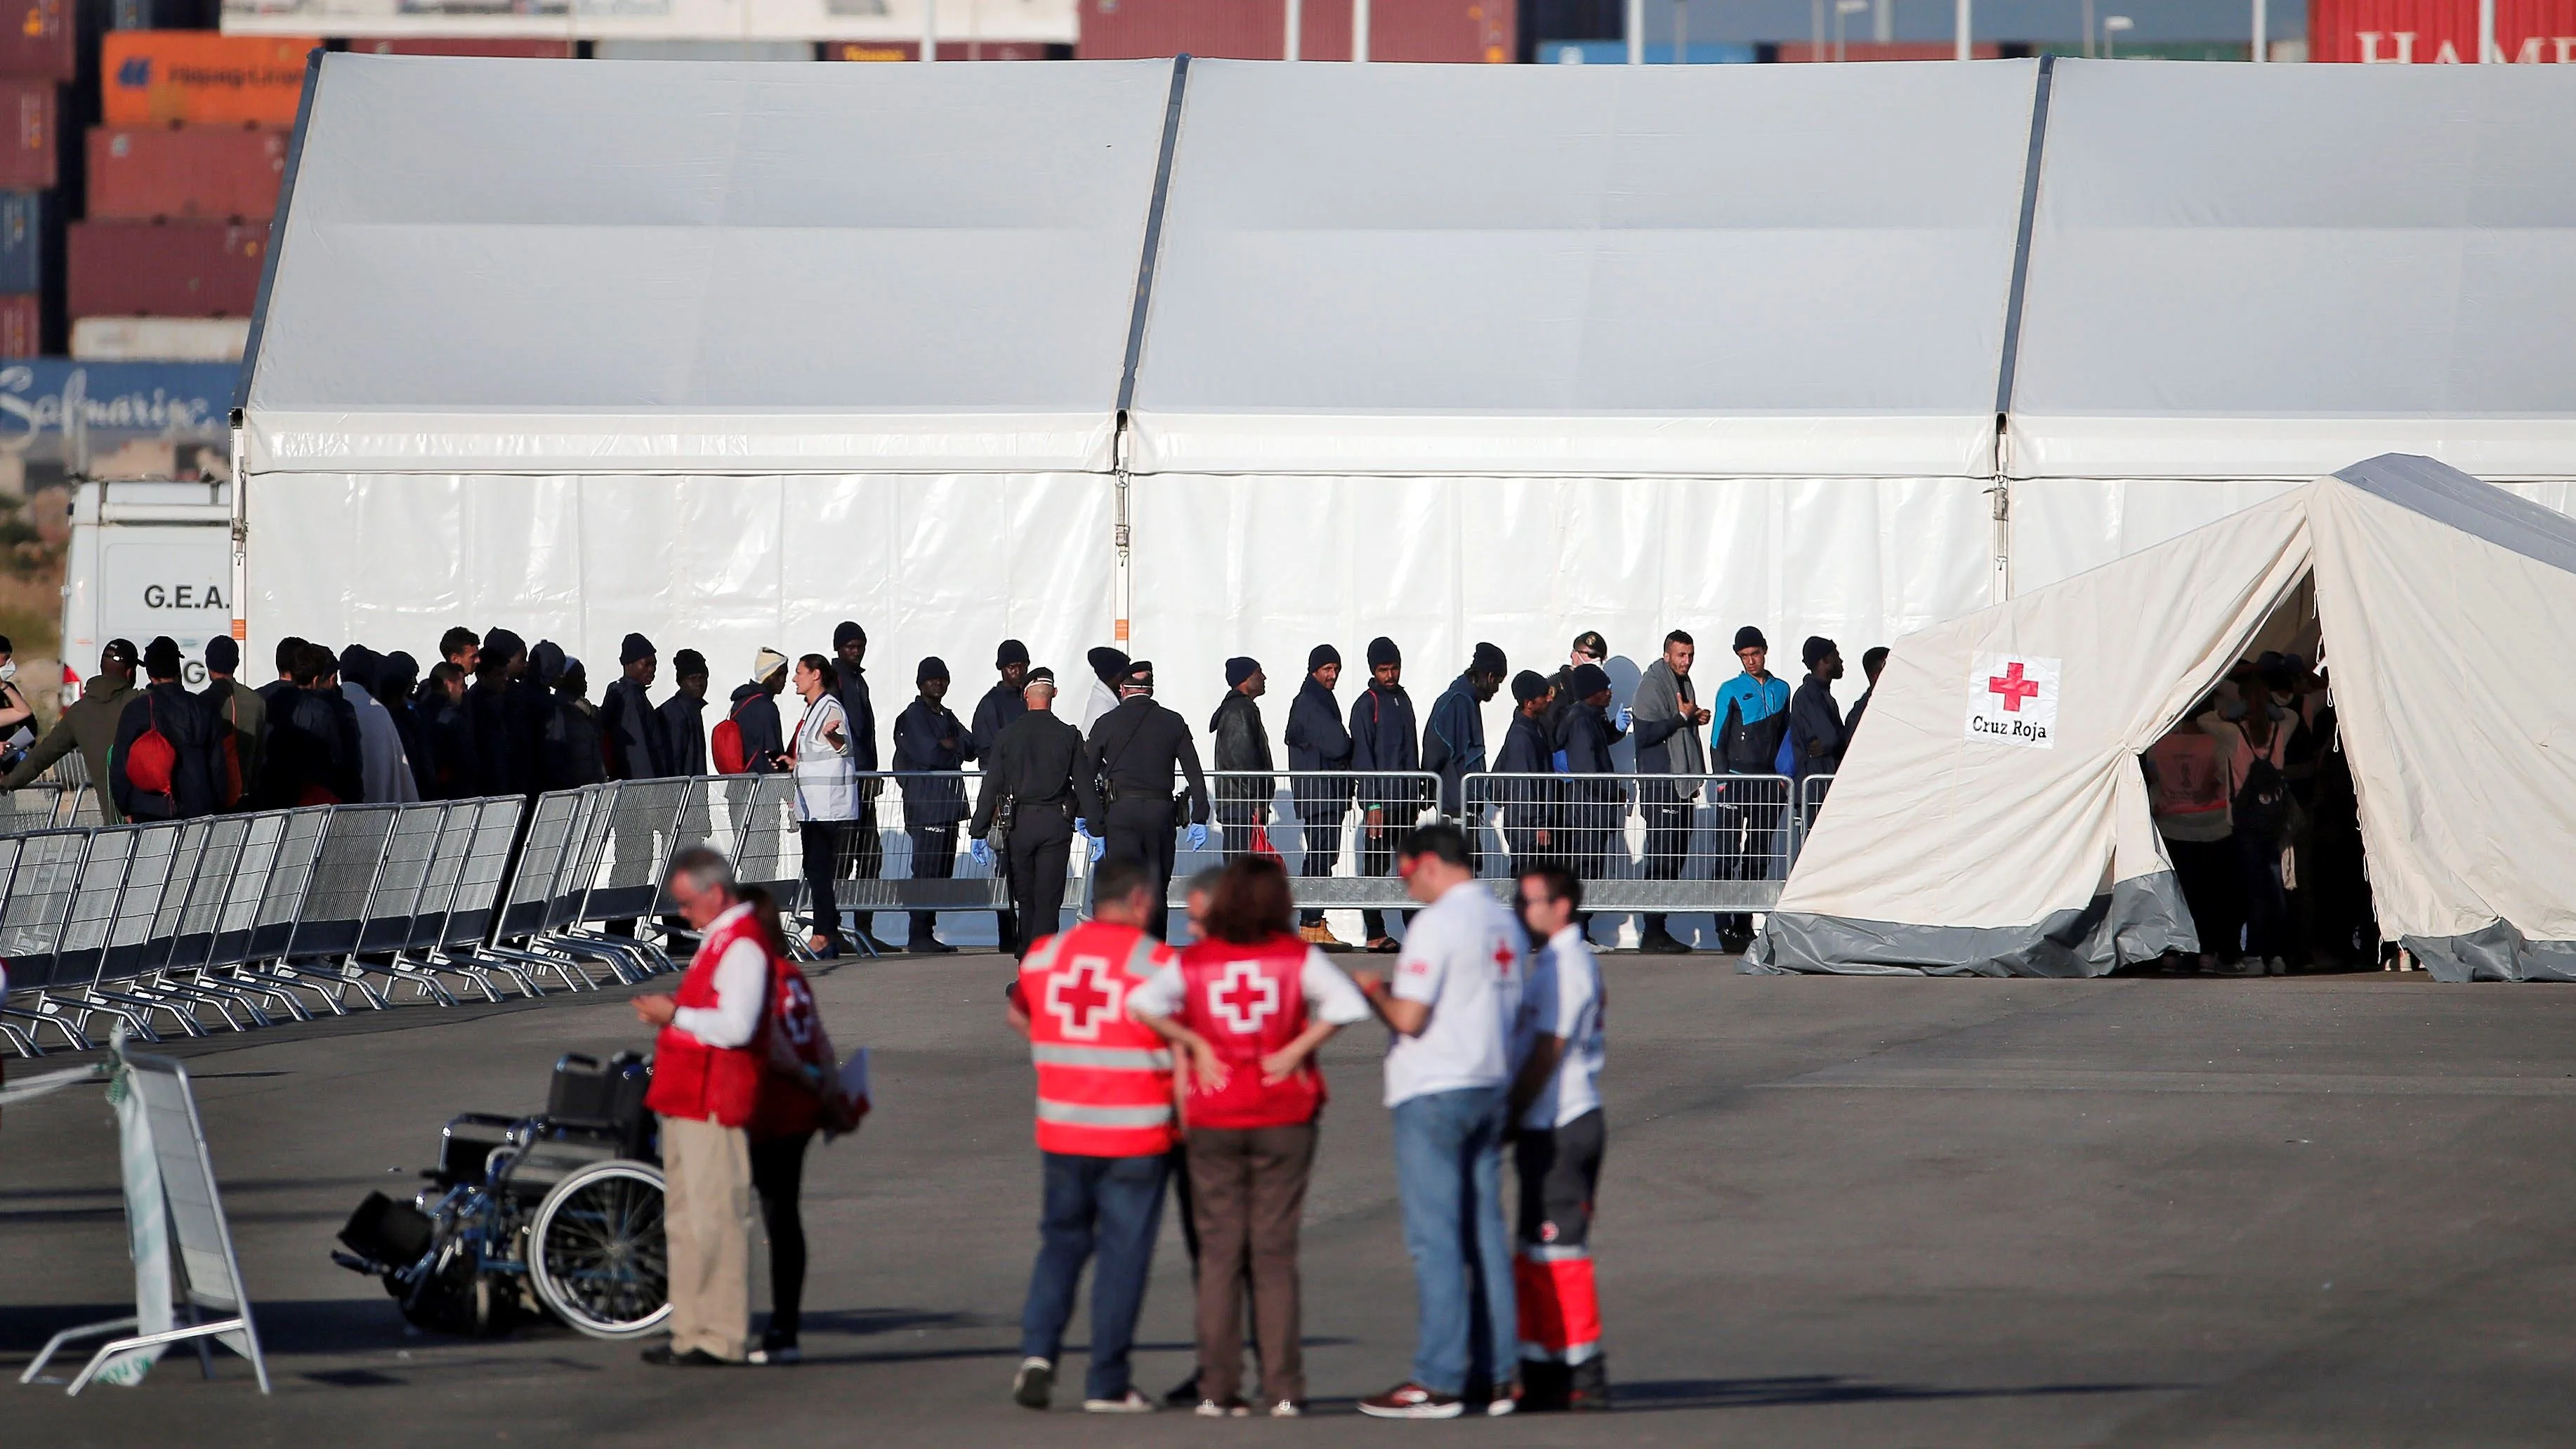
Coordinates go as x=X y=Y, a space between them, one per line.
x=827 y=794
x=1556 y=1099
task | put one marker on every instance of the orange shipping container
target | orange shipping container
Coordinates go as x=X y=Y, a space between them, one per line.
x=154 y=77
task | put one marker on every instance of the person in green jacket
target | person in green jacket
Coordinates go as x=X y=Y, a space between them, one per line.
x=88 y=726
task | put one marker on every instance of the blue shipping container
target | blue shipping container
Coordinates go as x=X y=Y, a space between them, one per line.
x=26 y=226
x=120 y=401
x=1658 y=52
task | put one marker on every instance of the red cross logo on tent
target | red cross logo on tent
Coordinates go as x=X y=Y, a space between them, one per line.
x=1245 y=998
x=2012 y=687
x=1083 y=998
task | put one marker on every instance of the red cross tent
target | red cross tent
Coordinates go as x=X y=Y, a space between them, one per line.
x=1991 y=816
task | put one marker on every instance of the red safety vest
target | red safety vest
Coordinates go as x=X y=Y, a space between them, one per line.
x=1249 y=1001
x=690 y=1078
x=1104 y=1079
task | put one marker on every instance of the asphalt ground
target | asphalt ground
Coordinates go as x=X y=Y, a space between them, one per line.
x=1842 y=1212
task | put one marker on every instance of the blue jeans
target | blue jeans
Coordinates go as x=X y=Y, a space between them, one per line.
x=1449 y=1176
x=1113 y=1205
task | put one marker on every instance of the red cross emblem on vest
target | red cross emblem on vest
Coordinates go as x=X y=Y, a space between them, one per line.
x=1244 y=998
x=1503 y=958
x=2012 y=687
x=1081 y=999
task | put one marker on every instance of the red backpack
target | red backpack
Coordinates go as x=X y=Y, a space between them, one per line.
x=725 y=747
x=151 y=759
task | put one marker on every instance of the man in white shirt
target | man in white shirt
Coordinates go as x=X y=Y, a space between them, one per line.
x=1456 y=995
x=1557 y=1102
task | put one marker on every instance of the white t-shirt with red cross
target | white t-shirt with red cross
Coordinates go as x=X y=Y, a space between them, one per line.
x=1465 y=955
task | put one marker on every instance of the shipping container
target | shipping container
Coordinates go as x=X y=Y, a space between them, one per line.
x=159 y=339
x=1399 y=30
x=155 y=77
x=30 y=226
x=31 y=151
x=22 y=325
x=163 y=14
x=164 y=268
x=702 y=49
x=488 y=49
x=897 y=50
x=2440 y=32
x=42 y=37
x=1615 y=52
x=213 y=172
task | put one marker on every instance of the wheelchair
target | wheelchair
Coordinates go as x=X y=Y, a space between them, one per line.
x=559 y=1213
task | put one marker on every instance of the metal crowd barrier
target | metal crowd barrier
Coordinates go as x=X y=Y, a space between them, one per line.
x=46 y=805
x=1655 y=843
x=1319 y=824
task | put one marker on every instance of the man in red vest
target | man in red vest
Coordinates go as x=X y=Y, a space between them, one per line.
x=706 y=1080
x=1105 y=1128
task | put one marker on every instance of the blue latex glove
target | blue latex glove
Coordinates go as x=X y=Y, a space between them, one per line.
x=1198 y=837
x=1098 y=846
x=981 y=852
x=1621 y=718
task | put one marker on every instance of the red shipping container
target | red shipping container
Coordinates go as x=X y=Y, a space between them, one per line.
x=216 y=172
x=164 y=268
x=1399 y=30
x=907 y=50
x=40 y=38
x=2439 y=32
x=30 y=154
x=21 y=325
x=490 y=49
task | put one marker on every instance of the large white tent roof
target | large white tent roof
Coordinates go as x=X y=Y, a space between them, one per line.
x=2269 y=271
x=534 y=266
x=1610 y=270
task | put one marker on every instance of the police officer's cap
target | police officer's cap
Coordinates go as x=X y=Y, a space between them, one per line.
x=1139 y=675
x=1039 y=675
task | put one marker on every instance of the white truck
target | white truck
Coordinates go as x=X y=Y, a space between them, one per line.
x=146 y=558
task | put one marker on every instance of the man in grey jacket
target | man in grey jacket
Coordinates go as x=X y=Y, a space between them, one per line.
x=1668 y=724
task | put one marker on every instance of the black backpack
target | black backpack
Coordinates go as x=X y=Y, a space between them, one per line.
x=2262 y=804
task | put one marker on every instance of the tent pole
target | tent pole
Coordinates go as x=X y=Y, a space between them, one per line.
x=1289 y=50
x=2486 y=33
x=1636 y=32
x=929 y=30
x=2262 y=39
x=1960 y=24
x=1123 y=580
x=1360 y=30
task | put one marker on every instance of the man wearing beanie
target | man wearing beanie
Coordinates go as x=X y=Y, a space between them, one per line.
x=1134 y=751
x=1596 y=805
x=1816 y=735
x=1319 y=747
x=1108 y=666
x=929 y=750
x=753 y=708
x=1453 y=738
x=1528 y=805
x=684 y=723
x=168 y=755
x=1752 y=711
x=1243 y=753
x=1001 y=704
x=628 y=722
x=1670 y=763
x=244 y=716
x=1383 y=738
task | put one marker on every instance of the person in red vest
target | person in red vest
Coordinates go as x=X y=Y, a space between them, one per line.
x=707 y=1070
x=1105 y=1129
x=1250 y=1002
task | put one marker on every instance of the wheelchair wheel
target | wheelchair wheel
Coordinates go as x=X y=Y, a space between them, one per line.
x=595 y=1251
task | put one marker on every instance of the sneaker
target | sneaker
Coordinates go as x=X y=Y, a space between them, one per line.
x=660 y=1356
x=1287 y=1409
x=1506 y=1402
x=1034 y=1387
x=933 y=946
x=2277 y=966
x=1588 y=1388
x=1230 y=1409
x=1409 y=1400
x=1321 y=937
x=779 y=1357
x=1383 y=945
x=1133 y=1402
x=1734 y=945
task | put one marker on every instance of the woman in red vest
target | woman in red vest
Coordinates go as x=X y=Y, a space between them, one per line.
x=1250 y=1004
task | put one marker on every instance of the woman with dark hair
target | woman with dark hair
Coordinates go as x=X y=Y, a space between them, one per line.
x=1250 y=1003
x=827 y=794
x=785 y=1115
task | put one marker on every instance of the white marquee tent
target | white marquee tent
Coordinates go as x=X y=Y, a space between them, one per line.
x=1992 y=818
x=1259 y=356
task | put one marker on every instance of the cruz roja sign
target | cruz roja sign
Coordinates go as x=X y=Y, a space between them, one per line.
x=2012 y=700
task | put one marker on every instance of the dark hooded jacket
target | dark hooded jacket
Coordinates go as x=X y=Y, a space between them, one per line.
x=196 y=738
x=1000 y=705
x=929 y=748
x=1241 y=744
x=1584 y=737
x=1453 y=741
x=684 y=732
x=755 y=716
x=1526 y=751
x=1383 y=737
x=308 y=759
x=632 y=729
x=1318 y=740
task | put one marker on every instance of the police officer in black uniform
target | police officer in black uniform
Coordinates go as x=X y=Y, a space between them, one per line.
x=1134 y=749
x=1039 y=766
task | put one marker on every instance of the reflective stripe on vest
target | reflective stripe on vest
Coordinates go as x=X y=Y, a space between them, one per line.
x=1127 y=1059
x=1103 y=1116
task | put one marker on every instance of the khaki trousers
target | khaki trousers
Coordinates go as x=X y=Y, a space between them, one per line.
x=1249 y=1190
x=707 y=1220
